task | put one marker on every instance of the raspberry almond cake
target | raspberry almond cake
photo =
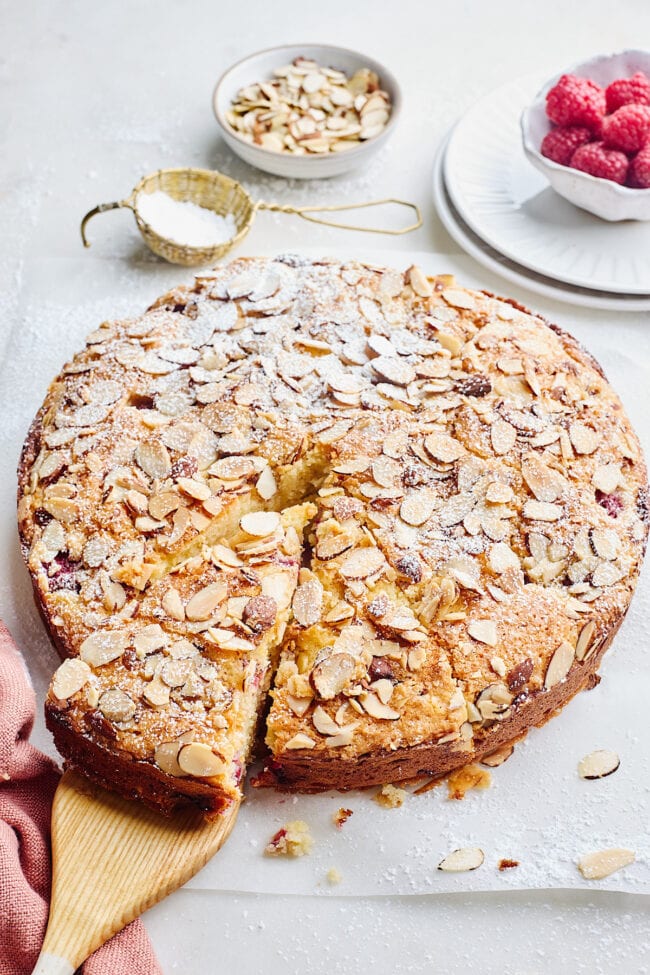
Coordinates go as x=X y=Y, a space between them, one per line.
x=384 y=523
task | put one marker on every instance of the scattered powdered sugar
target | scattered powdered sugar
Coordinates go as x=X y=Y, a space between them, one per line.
x=184 y=222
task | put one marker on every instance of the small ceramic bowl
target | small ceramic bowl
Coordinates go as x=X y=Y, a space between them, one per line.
x=602 y=197
x=259 y=67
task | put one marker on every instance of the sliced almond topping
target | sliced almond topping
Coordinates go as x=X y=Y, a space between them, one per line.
x=598 y=764
x=194 y=489
x=606 y=478
x=205 y=601
x=603 y=863
x=584 y=438
x=266 y=484
x=383 y=688
x=332 y=675
x=166 y=758
x=308 y=602
x=443 y=448
x=156 y=692
x=585 y=639
x=222 y=555
x=362 y=563
x=485 y=631
x=103 y=646
x=260 y=612
x=323 y=723
x=606 y=574
x=200 y=761
x=153 y=459
x=503 y=436
x=394 y=369
x=70 y=677
x=545 y=483
x=115 y=705
x=172 y=605
x=344 y=737
x=605 y=542
x=259 y=524
x=329 y=546
x=149 y=638
x=232 y=468
x=419 y=281
x=300 y=740
x=374 y=707
x=174 y=673
x=417 y=508
x=355 y=465
x=467 y=858
x=502 y=558
x=498 y=757
x=542 y=511
x=559 y=666
x=63 y=509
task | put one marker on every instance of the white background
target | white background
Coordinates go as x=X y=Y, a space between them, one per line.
x=95 y=95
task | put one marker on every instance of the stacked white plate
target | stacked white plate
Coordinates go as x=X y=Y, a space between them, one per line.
x=504 y=213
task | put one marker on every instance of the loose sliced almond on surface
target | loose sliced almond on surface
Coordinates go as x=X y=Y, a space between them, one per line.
x=603 y=863
x=467 y=858
x=598 y=764
x=70 y=677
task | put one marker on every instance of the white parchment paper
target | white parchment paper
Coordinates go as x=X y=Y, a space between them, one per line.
x=537 y=811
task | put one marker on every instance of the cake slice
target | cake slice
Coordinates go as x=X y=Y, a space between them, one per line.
x=167 y=702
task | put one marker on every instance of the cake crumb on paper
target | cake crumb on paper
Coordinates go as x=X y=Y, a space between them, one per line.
x=390 y=797
x=334 y=876
x=507 y=864
x=292 y=840
x=468 y=777
x=341 y=817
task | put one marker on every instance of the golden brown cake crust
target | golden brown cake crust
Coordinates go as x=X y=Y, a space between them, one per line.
x=480 y=518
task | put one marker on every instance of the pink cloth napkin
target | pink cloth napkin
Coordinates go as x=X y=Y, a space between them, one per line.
x=27 y=783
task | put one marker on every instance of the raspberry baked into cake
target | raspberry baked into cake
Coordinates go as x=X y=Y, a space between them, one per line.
x=380 y=522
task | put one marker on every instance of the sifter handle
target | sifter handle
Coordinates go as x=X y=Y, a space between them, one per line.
x=102 y=208
x=306 y=214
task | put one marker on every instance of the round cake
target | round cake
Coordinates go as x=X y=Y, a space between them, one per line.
x=384 y=523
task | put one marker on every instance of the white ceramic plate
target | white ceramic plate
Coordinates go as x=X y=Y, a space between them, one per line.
x=491 y=258
x=511 y=207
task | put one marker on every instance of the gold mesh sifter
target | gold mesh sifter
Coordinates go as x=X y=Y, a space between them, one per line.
x=223 y=195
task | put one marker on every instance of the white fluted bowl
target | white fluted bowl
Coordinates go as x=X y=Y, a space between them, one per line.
x=602 y=197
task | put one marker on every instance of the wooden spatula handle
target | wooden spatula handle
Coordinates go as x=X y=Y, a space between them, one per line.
x=113 y=859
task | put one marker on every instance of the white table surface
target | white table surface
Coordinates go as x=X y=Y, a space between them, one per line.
x=96 y=94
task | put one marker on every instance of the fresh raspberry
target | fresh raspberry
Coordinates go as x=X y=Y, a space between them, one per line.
x=612 y=503
x=560 y=143
x=628 y=128
x=639 y=171
x=576 y=101
x=594 y=158
x=628 y=91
